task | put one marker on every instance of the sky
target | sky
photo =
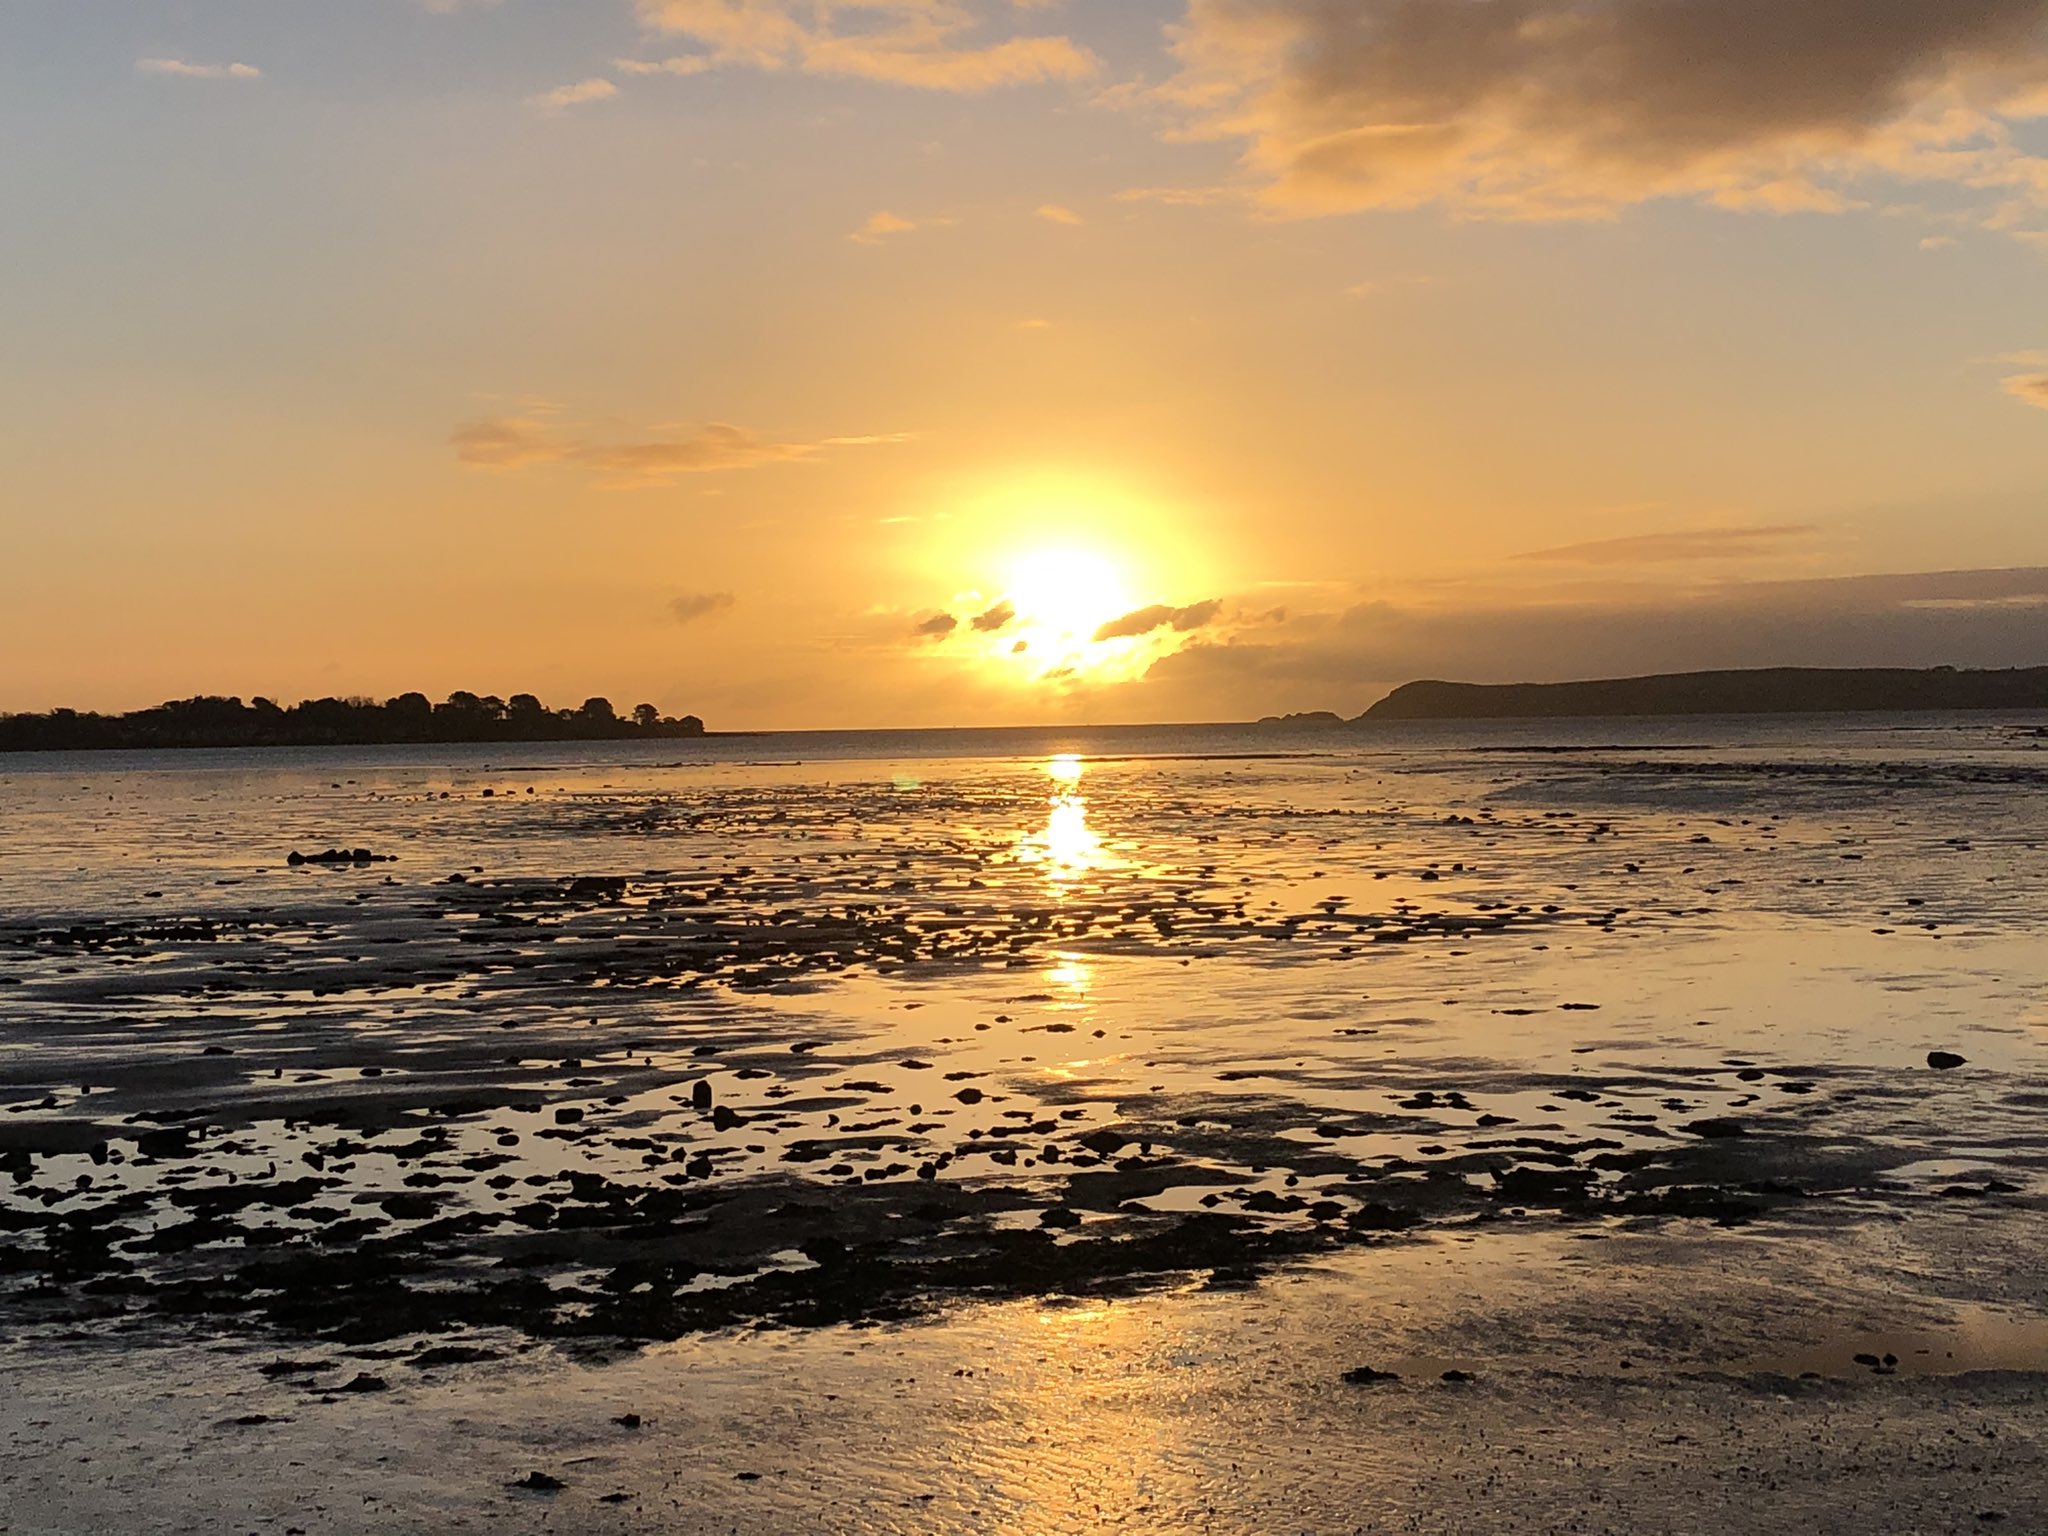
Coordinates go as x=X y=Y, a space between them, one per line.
x=830 y=363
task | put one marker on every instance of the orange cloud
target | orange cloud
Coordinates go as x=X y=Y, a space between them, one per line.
x=922 y=43
x=2031 y=388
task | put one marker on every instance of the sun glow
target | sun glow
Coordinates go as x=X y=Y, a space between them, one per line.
x=1063 y=596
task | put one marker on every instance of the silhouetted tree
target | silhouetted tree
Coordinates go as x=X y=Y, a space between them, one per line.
x=214 y=721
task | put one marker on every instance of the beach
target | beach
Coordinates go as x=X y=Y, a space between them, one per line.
x=961 y=1131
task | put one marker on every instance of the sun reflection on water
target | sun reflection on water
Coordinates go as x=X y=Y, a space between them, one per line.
x=1067 y=848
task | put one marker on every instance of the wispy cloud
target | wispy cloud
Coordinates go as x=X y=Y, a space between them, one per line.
x=512 y=443
x=880 y=226
x=1053 y=213
x=2029 y=388
x=692 y=606
x=1690 y=544
x=185 y=70
x=562 y=97
x=930 y=44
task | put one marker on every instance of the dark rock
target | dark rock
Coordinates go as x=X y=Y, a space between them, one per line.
x=364 y=1383
x=1943 y=1061
x=1717 y=1129
x=1366 y=1376
x=539 y=1482
x=452 y=1354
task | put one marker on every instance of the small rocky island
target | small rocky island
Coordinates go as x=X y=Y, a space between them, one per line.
x=1765 y=691
x=350 y=722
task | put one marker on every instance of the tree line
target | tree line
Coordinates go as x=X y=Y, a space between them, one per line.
x=212 y=721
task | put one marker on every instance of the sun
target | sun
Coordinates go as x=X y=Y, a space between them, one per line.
x=1064 y=595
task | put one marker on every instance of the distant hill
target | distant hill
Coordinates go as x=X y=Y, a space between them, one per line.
x=1768 y=691
x=411 y=717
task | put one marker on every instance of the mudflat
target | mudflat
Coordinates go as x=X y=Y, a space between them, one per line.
x=1649 y=1127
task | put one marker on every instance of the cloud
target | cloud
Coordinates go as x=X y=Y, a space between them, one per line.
x=1000 y=617
x=509 y=443
x=692 y=606
x=880 y=226
x=1986 y=618
x=928 y=44
x=2031 y=388
x=180 y=69
x=1682 y=545
x=1580 y=108
x=1053 y=213
x=1161 y=616
x=562 y=97
x=937 y=627
x=682 y=64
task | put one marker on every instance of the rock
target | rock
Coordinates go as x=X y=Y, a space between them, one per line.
x=539 y=1482
x=1456 y=1378
x=1716 y=1130
x=700 y=1094
x=627 y=1421
x=1059 y=1216
x=1366 y=1376
x=1104 y=1143
x=364 y=1383
x=1944 y=1061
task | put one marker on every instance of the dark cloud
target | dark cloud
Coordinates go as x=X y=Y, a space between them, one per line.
x=1689 y=544
x=692 y=606
x=1161 y=616
x=937 y=627
x=1577 y=107
x=999 y=617
x=1991 y=618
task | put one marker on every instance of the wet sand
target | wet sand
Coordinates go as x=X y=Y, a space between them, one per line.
x=1157 y=1093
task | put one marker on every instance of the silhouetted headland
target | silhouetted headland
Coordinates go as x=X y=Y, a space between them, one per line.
x=354 y=722
x=1766 y=691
